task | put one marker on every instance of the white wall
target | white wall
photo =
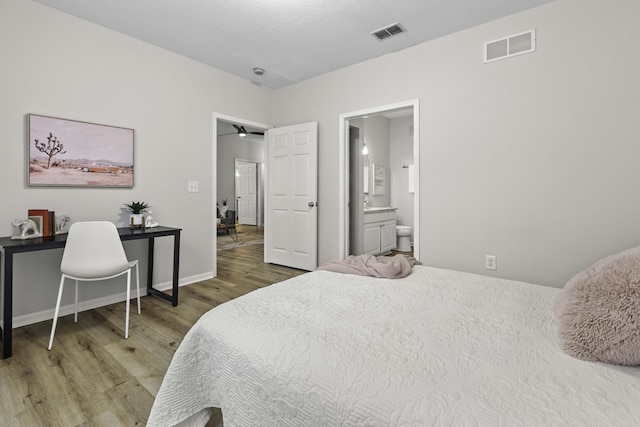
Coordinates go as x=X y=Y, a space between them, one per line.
x=57 y=65
x=532 y=159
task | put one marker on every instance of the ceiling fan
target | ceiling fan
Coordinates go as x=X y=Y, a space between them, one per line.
x=242 y=132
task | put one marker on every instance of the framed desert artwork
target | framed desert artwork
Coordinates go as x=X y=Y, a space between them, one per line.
x=72 y=153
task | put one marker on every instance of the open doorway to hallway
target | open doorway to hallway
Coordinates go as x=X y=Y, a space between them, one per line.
x=237 y=143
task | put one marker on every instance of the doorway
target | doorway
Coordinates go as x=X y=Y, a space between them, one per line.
x=352 y=204
x=228 y=146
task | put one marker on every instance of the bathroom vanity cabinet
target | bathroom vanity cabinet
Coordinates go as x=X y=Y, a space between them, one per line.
x=379 y=230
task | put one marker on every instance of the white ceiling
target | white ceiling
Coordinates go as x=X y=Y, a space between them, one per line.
x=292 y=40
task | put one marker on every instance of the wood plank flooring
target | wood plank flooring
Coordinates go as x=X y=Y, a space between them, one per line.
x=93 y=376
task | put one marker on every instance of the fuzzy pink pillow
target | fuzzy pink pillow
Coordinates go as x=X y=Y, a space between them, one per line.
x=598 y=311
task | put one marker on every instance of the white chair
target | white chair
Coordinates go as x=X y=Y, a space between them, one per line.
x=94 y=251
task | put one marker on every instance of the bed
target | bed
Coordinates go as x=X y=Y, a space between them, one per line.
x=437 y=348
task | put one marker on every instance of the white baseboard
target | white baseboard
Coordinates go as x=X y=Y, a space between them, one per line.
x=40 y=316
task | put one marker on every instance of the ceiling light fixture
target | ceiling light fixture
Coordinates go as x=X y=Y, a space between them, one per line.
x=242 y=132
x=258 y=71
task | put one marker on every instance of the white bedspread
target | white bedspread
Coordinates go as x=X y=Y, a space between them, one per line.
x=438 y=348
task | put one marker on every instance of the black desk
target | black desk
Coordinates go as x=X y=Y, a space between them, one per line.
x=8 y=247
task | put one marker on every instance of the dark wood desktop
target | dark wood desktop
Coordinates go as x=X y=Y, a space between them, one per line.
x=9 y=247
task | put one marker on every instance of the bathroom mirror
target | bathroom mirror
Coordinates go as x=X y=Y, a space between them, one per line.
x=378 y=180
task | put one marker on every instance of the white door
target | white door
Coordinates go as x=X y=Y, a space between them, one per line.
x=291 y=205
x=246 y=192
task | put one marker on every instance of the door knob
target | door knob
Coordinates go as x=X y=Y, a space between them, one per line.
x=311 y=204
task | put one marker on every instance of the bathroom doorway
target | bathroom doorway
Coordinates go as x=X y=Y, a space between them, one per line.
x=389 y=136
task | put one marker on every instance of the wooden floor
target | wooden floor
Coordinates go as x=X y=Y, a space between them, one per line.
x=93 y=376
x=242 y=236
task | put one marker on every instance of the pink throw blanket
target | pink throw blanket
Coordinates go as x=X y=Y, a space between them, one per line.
x=390 y=267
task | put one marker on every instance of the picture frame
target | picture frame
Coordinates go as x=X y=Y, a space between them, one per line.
x=379 y=180
x=72 y=153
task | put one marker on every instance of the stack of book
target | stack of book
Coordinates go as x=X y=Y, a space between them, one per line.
x=45 y=219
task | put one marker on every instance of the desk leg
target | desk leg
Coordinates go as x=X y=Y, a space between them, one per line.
x=7 y=309
x=173 y=298
x=176 y=267
x=150 y=265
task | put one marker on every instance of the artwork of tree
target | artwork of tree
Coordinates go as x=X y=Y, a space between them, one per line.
x=51 y=148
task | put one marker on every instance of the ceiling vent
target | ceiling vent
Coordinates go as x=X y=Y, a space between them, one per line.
x=388 y=31
x=507 y=47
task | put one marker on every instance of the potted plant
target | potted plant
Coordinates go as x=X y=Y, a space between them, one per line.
x=136 y=209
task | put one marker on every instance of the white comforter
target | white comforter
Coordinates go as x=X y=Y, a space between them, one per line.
x=438 y=348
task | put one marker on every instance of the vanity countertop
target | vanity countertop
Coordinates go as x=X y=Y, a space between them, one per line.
x=372 y=209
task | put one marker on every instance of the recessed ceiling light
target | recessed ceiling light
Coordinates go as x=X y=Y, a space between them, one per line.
x=258 y=71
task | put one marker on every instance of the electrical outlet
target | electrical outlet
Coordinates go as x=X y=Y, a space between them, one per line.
x=490 y=262
x=192 y=186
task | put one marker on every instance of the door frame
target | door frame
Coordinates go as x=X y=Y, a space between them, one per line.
x=343 y=168
x=214 y=178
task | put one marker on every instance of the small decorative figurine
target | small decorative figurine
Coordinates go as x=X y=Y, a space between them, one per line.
x=28 y=229
x=150 y=223
x=61 y=223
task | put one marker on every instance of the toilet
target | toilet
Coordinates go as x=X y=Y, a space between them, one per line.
x=403 y=234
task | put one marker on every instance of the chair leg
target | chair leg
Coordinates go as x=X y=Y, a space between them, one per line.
x=138 y=284
x=75 y=315
x=128 y=302
x=55 y=316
